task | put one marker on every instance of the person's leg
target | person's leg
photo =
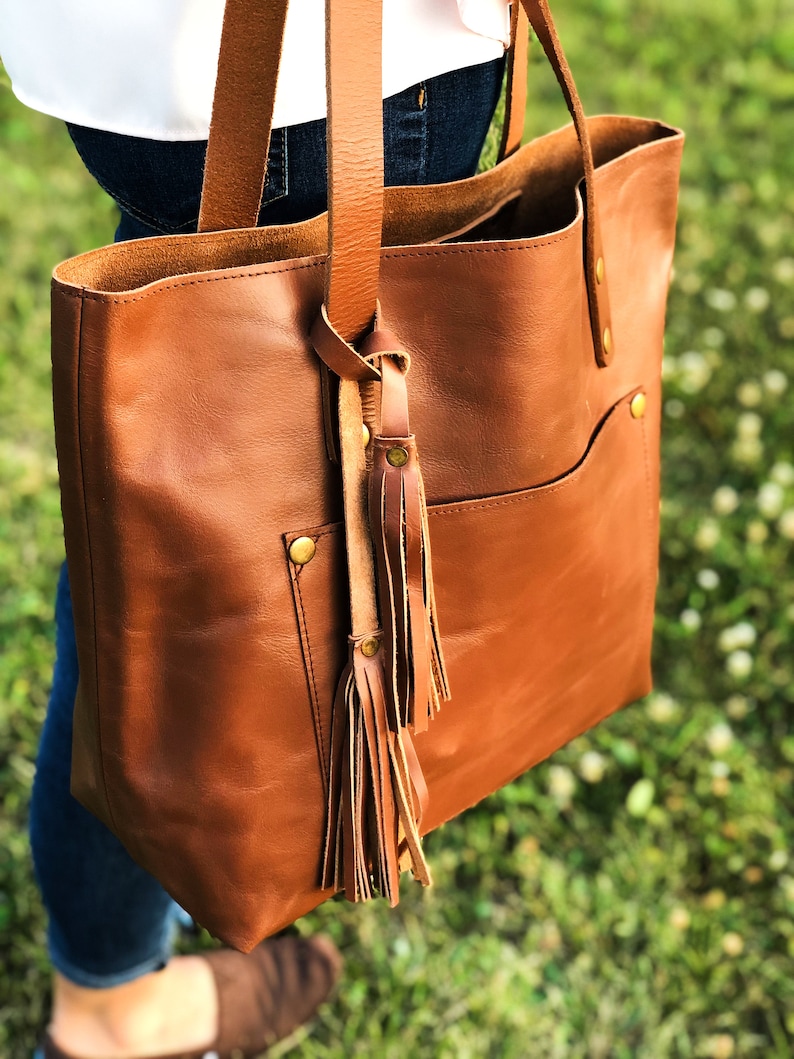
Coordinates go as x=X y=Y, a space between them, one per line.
x=110 y=922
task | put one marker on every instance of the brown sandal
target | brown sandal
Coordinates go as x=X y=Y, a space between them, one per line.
x=263 y=997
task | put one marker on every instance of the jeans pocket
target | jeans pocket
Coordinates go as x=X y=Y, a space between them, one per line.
x=158 y=182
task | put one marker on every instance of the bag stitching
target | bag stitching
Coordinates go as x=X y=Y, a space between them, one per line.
x=650 y=589
x=93 y=579
x=533 y=492
x=83 y=292
x=320 y=731
x=611 y=167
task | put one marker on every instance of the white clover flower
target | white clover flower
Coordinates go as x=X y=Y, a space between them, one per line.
x=707 y=535
x=694 y=372
x=722 y=300
x=770 y=499
x=739 y=664
x=719 y=739
x=708 y=579
x=690 y=619
x=592 y=766
x=748 y=451
x=778 y=860
x=725 y=500
x=783 y=270
x=757 y=299
x=750 y=394
x=719 y=770
x=749 y=425
x=680 y=919
x=640 y=798
x=757 y=531
x=662 y=707
x=674 y=408
x=775 y=382
x=743 y=634
x=669 y=366
x=689 y=282
x=714 y=337
x=785 y=524
x=720 y=1046
x=737 y=707
x=562 y=784
x=782 y=473
x=733 y=944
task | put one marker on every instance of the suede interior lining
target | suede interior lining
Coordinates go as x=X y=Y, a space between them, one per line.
x=530 y=194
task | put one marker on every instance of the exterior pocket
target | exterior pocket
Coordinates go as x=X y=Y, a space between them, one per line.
x=545 y=599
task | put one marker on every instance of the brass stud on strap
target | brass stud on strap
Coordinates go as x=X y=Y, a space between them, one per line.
x=370 y=647
x=397 y=456
x=600 y=270
x=365 y=434
x=302 y=550
x=607 y=341
x=638 y=405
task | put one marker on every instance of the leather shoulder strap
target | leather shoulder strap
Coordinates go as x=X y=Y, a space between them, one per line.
x=354 y=66
x=516 y=89
x=240 y=132
x=242 y=114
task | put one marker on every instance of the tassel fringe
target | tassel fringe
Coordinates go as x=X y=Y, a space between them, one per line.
x=372 y=822
x=395 y=679
x=398 y=515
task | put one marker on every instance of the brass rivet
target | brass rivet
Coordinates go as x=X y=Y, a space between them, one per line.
x=397 y=456
x=365 y=434
x=302 y=550
x=607 y=341
x=370 y=647
x=638 y=404
x=600 y=270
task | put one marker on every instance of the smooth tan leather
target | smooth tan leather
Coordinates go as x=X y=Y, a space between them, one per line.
x=189 y=428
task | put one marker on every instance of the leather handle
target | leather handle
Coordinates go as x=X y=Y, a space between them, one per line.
x=516 y=89
x=354 y=60
x=240 y=133
x=242 y=114
x=541 y=20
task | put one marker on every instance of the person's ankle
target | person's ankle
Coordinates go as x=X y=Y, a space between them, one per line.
x=170 y=1010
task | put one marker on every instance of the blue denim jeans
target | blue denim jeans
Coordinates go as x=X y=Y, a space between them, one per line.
x=109 y=920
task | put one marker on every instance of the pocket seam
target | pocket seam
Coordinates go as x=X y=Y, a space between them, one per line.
x=531 y=492
x=315 y=696
x=306 y=648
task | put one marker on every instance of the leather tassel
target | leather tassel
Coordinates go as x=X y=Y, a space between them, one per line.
x=372 y=830
x=417 y=681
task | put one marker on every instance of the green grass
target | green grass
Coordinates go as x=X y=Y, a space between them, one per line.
x=634 y=897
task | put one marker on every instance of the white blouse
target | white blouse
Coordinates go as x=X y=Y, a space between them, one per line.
x=148 y=68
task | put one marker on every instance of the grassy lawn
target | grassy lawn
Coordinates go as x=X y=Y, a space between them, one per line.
x=634 y=896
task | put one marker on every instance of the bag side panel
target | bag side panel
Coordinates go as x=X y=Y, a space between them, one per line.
x=87 y=780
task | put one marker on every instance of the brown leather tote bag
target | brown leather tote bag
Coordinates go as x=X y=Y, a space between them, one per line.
x=266 y=643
